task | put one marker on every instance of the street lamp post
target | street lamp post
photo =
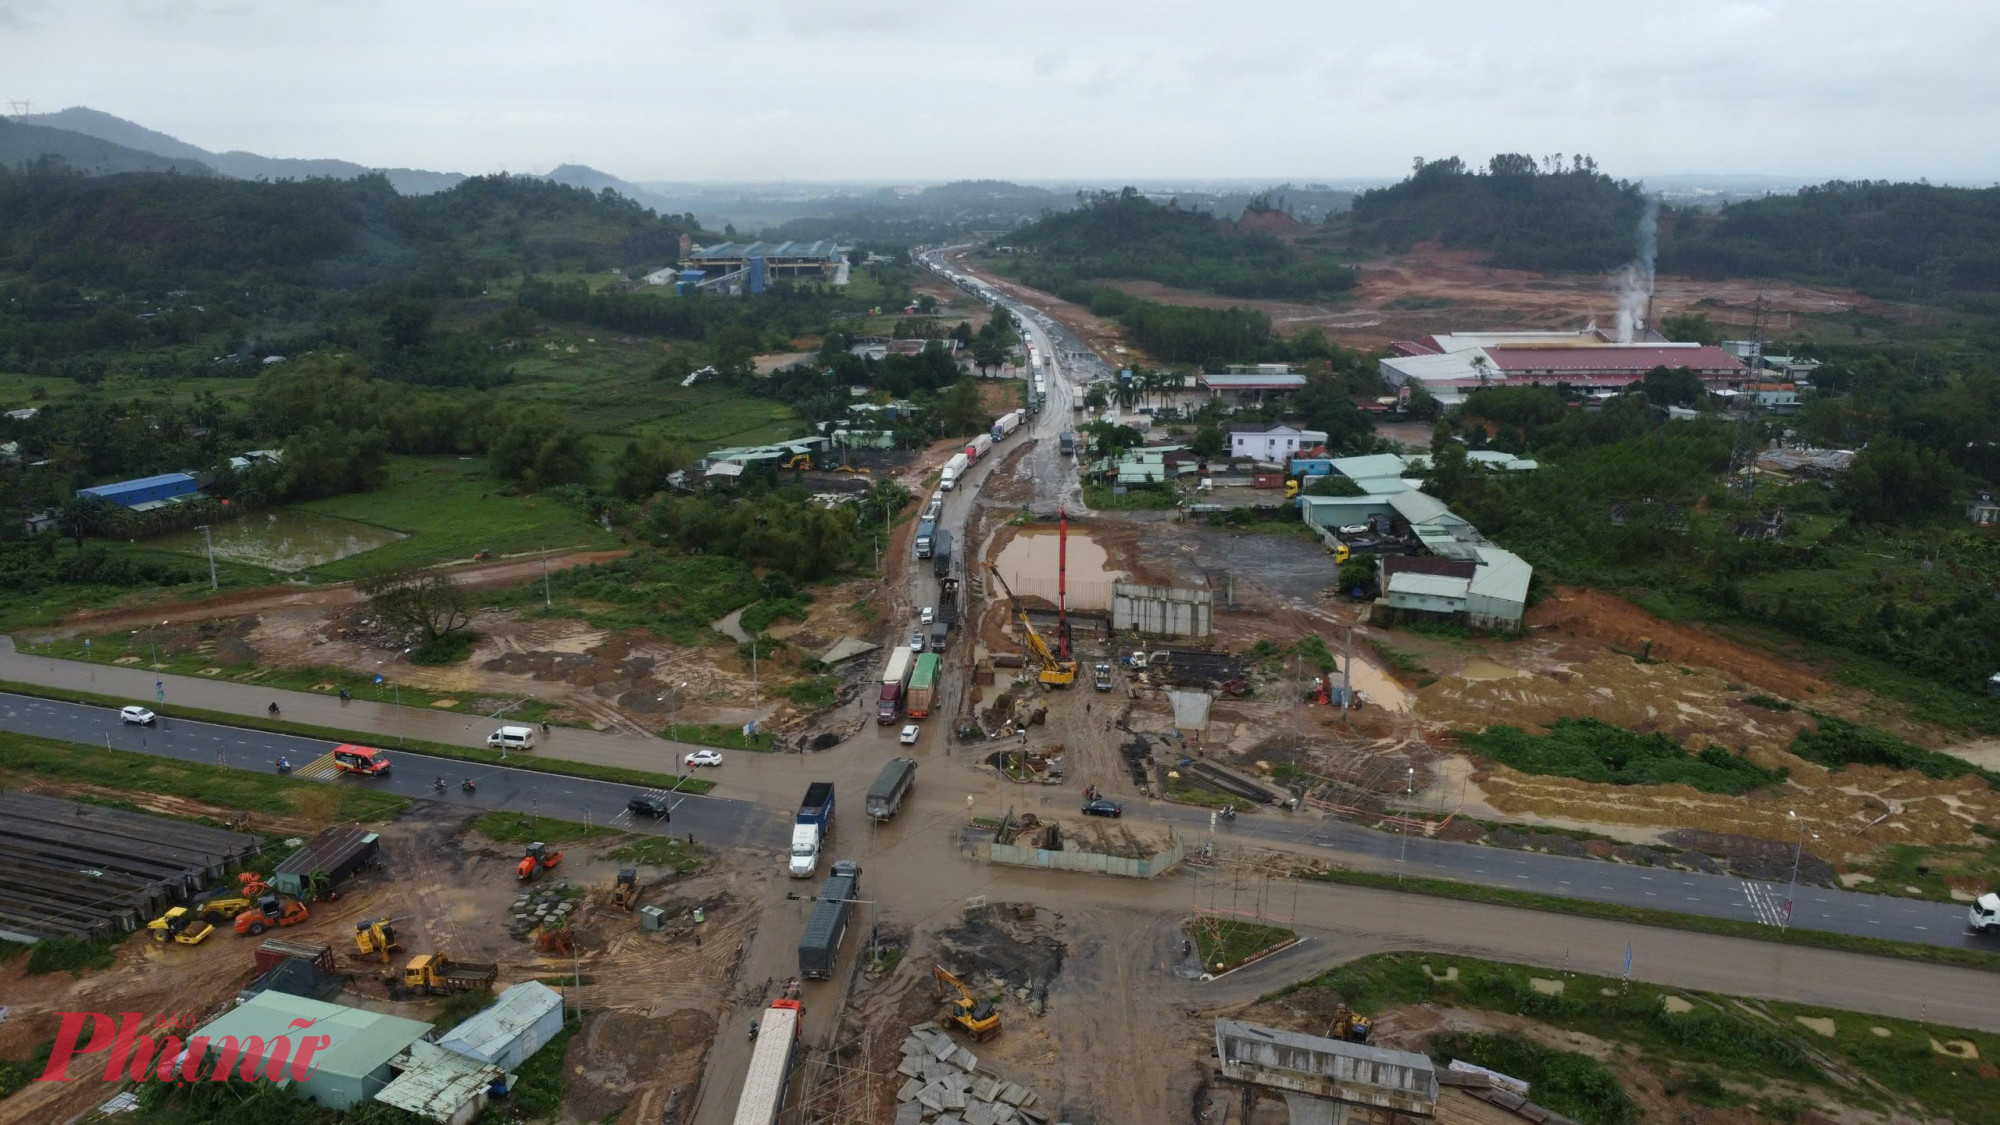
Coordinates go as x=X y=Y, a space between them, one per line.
x=210 y=545
x=1798 y=854
x=1409 y=787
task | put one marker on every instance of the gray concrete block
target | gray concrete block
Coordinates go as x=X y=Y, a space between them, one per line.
x=1013 y=1094
x=942 y=1047
x=986 y=1089
x=909 y=1113
x=965 y=1060
x=979 y=1113
x=932 y=1096
x=909 y=1090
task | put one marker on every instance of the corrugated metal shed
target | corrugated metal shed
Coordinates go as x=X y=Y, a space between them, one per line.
x=352 y=1068
x=439 y=1084
x=522 y=1019
x=157 y=487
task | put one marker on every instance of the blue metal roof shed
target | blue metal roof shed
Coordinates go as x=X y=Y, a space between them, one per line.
x=145 y=489
x=521 y=1021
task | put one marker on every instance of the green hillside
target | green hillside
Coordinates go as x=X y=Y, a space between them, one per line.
x=1865 y=234
x=1124 y=235
x=22 y=145
x=1528 y=216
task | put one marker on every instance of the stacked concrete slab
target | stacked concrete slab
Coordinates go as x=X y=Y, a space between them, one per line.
x=944 y=1085
x=72 y=870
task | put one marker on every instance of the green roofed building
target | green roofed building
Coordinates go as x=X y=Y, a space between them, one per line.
x=350 y=1069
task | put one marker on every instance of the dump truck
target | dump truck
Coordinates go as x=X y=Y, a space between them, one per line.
x=923 y=685
x=810 y=829
x=898 y=777
x=434 y=974
x=895 y=681
x=819 y=949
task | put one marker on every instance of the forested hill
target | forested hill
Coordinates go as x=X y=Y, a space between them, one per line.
x=1527 y=214
x=152 y=233
x=1126 y=236
x=1865 y=234
x=22 y=145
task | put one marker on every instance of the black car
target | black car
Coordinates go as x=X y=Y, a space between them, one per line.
x=1102 y=807
x=649 y=804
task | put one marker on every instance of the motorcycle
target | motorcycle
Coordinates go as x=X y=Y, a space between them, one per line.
x=274 y=710
x=439 y=783
x=753 y=1029
x=466 y=785
x=344 y=696
x=1229 y=812
x=284 y=765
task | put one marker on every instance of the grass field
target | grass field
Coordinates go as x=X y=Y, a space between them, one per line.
x=1748 y=1043
x=21 y=612
x=24 y=759
x=610 y=384
x=1224 y=943
x=451 y=508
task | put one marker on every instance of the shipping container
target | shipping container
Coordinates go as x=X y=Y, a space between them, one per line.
x=819 y=948
x=923 y=684
x=897 y=778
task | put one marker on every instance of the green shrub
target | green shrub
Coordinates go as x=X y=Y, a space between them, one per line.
x=1838 y=743
x=1590 y=750
x=64 y=955
x=816 y=693
x=1565 y=1081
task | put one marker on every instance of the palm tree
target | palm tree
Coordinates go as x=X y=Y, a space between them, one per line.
x=1126 y=392
x=1096 y=398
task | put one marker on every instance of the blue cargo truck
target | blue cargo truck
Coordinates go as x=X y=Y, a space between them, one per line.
x=810 y=830
x=819 y=948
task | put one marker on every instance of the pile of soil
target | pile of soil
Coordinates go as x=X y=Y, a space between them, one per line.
x=618 y=1055
x=1007 y=946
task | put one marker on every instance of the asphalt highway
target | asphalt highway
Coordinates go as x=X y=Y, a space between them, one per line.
x=712 y=820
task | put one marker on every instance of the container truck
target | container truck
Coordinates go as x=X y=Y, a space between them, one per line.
x=977 y=447
x=952 y=469
x=941 y=553
x=819 y=948
x=810 y=830
x=770 y=1072
x=926 y=538
x=1008 y=423
x=923 y=682
x=895 y=679
x=895 y=781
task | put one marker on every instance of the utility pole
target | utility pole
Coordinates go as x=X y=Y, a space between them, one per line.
x=1347 y=674
x=210 y=544
x=547 y=601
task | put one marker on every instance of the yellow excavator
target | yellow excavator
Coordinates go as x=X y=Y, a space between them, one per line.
x=975 y=1017
x=625 y=894
x=1055 y=672
x=376 y=939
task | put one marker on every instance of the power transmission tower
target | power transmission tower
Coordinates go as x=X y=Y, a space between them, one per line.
x=21 y=108
x=1743 y=456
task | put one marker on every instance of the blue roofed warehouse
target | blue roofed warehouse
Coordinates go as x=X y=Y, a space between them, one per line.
x=163 y=486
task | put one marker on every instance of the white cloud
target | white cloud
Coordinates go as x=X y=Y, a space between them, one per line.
x=1040 y=89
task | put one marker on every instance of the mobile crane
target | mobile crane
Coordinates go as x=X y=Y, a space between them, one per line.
x=1056 y=672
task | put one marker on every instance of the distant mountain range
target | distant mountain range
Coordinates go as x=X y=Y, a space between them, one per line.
x=24 y=144
x=136 y=139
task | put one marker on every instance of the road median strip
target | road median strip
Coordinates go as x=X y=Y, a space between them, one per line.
x=1615 y=912
x=615 y=774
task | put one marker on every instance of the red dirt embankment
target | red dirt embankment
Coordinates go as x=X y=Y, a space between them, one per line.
x=1622 y=625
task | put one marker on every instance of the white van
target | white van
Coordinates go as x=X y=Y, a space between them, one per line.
x=512 y=738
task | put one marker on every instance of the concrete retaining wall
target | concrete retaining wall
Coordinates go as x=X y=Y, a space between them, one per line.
x=1093 y=863
x=1161 y=610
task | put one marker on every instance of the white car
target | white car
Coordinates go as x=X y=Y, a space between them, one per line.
x=927 y=616
x=703 y=758
x=909 y=735
x=917 y=641
x=137 y=715
x=1355 y=529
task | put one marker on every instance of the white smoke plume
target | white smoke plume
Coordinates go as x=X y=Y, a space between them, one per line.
x=1635 y=281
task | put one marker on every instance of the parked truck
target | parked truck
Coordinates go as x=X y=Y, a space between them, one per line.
x=895 y=683
x=941 y=553
x=1008 y=423
x=438 y=975
x=895 y=781
x=923 y=684
x=819 y=948
x=977 y=447
x=953 y=469
x=926 y=538
x=810 y=830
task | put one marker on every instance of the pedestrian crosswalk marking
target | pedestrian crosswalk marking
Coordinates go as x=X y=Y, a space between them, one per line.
x=1765 y=902
x=319 y=769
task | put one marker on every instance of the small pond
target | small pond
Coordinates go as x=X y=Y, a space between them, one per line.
x=284 y=539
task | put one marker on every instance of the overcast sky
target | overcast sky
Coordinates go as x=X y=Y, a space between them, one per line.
x=903 y=90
